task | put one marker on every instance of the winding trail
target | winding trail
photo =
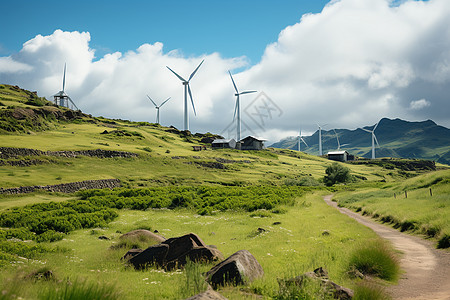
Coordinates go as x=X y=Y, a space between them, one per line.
x=426 y=269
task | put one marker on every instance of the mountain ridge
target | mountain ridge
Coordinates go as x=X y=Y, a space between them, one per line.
x=396 y=137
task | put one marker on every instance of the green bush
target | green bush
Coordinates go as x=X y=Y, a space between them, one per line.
x=336 y=173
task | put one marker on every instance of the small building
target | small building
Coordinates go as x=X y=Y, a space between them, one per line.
x=341 y=155
x=252 y=143
x=223 y=143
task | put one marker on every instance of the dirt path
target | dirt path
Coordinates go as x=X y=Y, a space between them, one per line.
x=427 y=270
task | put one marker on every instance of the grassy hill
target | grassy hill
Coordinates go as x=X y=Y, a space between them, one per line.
x=397 y=138
x=268 y=202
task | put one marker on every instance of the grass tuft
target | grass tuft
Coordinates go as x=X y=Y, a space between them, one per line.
x=375 y=259
x=365 y=291
x=81 y=290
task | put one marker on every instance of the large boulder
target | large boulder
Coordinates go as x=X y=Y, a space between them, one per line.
x=241 y=267
x=142 y=235
x=131 y=253
x=196 y=254
x=319 y=275
x=182 y=245
x=153 y=255
x=174 y=253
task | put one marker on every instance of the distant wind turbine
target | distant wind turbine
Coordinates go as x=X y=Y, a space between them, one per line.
x=157 y=107
x=237 y=108
x=300 y=139
x=337 y=138
x=187 y=89
x=374 y=139
x=320 y=138
x=61 y=98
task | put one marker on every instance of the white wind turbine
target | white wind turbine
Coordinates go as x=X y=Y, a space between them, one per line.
x=157 y=107
x=300 y=139
x=238 y=108
x=187 y=89
x=374 y=139
x=320 y=138
x=61 y=98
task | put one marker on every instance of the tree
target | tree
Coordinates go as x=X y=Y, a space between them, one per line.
x=336 y=173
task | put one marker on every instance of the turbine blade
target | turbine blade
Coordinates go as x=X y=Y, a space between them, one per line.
x=235 y=107
x=70 y=99
x=366 y=130
x=152 y=101
x=304 y=141
x=179 y=77
x=192 y=100
x=164 y=102
x=247 y=92
x=376 y=139
x=375 y=127
x=193 y=73
x=234 y=84
x=64 y=77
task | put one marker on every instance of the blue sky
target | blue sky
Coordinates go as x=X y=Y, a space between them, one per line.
x=347 y=63
x=232 y=28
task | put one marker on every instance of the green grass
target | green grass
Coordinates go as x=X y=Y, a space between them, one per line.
x=419 y=212
x=375 y=259
x=293 y=247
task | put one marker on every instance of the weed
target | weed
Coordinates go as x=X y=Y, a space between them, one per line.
x=79 y=290
x=194 y=282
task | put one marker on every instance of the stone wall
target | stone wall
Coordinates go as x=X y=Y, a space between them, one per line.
x=8 y=152
x=64 y=187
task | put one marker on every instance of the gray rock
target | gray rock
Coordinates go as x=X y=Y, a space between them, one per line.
x=209 y=294
x=182 y=245
x=241 y=267
x=131 y=253
x=153 y=255
x=142 y=235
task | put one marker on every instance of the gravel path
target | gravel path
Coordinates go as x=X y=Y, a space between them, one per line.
x=426 y=269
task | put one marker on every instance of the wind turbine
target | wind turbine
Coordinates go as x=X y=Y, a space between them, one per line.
x=374 y=139
x=61 y=98
x=187 y=89
x=238 y=108
x=320 y=138
x=157 y=107
x=300 y=139
x=337 y=138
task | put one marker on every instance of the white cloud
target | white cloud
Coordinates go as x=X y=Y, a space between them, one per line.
x=419 y=104
x=348 y=66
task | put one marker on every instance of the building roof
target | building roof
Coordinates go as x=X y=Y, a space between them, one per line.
x=255 y=138
x=222 y=141
x=342 y=152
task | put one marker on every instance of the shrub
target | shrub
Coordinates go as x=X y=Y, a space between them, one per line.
x=336 y=173
x=375 y=259
x=444 y=242
x=364 y=291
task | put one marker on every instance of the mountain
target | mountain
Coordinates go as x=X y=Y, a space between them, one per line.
x=397 y=138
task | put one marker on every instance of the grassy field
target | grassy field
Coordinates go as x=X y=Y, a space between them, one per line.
x=294 y=246
x=309 y=233
x=420 y=204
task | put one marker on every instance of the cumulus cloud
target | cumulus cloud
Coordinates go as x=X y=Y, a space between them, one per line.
x=419 y=104
x=349 y=65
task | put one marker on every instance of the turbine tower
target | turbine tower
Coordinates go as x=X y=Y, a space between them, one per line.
x=320 y=138
x=238 y=109
x=374 y=139
x=157 y=107
x=300 y=139
x=61 y=98
x=187 y=89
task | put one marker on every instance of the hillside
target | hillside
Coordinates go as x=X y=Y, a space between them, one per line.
x=165 y=155
x=397 y=138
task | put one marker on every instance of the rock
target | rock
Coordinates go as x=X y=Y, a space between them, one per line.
x=319 y=275
x=239 y=268
x=142 y=235
x=196 y=254
x=325 y=233
x=276 y=223
x=261 y=230
x=209 y=294
x=182 y=245
x=153 y=255
x=103 y=237
x=131 y=253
